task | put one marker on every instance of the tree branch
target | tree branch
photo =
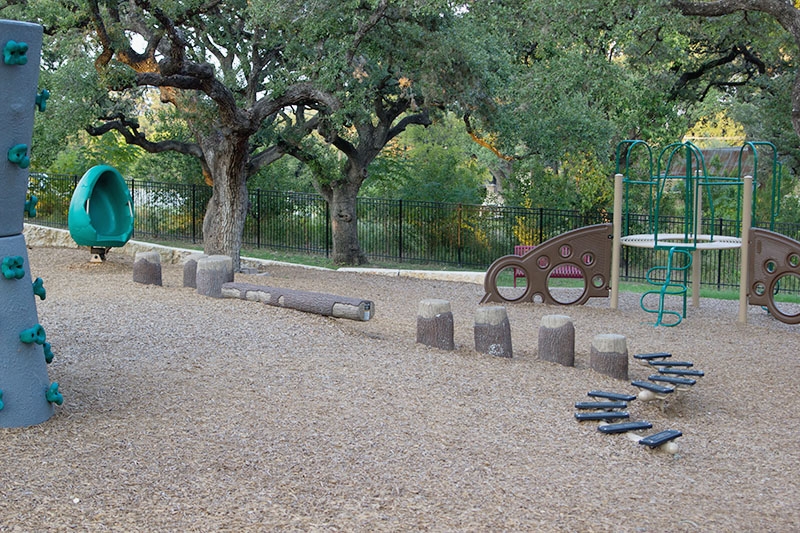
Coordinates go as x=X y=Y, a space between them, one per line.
x=365 y=28
x=130 y=132
x=475 y=137
x=709 y=66
x=784 y=12
x=420 y=119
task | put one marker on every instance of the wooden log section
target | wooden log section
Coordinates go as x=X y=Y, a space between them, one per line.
x=309 y=302
x=190 y=270
x=147 y=268
x=212 y=273
x=557 y=340
x=435 y=324
x=492 y=331
x=609 y=355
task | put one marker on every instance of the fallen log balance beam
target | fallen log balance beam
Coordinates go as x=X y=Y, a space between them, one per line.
x=309 y=302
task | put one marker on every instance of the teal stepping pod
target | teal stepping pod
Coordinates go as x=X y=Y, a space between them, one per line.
x=101 y=209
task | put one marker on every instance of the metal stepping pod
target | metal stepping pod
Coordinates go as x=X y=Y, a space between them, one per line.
x=611 y=396
x=652 y=391
x=601 y=415
x=624 y=427
x=661 y=438
x=646 y=358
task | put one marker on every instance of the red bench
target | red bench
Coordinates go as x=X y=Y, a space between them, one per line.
x=562 y=271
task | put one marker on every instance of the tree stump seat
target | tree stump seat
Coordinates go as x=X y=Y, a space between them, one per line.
x=557 y=340
x=147 y=268
x=609 y=355
x=435 y=324
x=190 y=270
x=492 y=331
x=212 y=272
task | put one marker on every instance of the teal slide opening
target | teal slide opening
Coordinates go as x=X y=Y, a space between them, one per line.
x=101 y=209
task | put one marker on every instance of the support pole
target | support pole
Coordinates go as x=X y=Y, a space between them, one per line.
x=697 y=260
x=616 y=247
x=747 y=220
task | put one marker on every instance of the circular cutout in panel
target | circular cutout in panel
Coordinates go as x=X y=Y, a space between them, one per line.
x=543 y=262
x=564 y=285
x=588 y=258
x=794 y=260
x=759 y=288
x=538 y=298
x=598 y=281
x=770 y=266
x=565 y=250
x=786 y=297
x=511 y=283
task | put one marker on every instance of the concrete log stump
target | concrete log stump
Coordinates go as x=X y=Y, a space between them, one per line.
x=435 y=324
x=190 y=270
x=212 y=272
x=306 y=301
x=492 y=331
x=609 y=355
x=557 y=340
x=147 y=268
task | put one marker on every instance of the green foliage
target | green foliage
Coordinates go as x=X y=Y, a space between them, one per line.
x=286 y=174
x=89 y=151
x=555 y=84
x=431 y=164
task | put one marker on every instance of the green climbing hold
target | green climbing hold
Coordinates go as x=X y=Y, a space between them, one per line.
x=13 y=267
x=32 y=335
x=48 y=353
x=41 y=100
x=18 y=154
x=38 y=289
x=15 y=53
x=1 y=400
x=30 y=206
x=52 y=394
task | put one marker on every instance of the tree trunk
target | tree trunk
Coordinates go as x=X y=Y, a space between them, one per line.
x=341 y=197
x=223 y=224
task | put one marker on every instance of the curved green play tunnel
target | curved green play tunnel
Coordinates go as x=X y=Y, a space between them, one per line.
x=101 y=209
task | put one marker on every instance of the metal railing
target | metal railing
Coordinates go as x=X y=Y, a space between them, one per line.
x=458 y=235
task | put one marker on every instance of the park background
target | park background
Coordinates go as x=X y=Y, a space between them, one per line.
x=438 y=133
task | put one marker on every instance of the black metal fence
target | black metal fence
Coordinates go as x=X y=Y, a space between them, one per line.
x=470 y=236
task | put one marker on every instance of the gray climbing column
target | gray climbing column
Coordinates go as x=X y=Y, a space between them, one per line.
x=27 y=394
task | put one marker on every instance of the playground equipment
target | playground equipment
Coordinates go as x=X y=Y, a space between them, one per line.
x=585 y=250
x=768 y=261
x=27 y=394
x=774 y=259
x=101 y=211
x=672 y=377
x=604 y=408
x=681 y=169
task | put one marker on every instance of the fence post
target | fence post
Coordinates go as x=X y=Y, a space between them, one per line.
x=133 y=198
x=194 y=213
x=540 y=238
x=458 y=234
x=400 y=229
x=719 y=259
x=258 y=217
x=327 y=229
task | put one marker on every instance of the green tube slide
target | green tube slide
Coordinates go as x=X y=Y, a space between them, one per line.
x=101 y=209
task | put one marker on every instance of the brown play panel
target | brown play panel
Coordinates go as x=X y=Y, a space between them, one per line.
x=773 y=257
x=586 y=249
